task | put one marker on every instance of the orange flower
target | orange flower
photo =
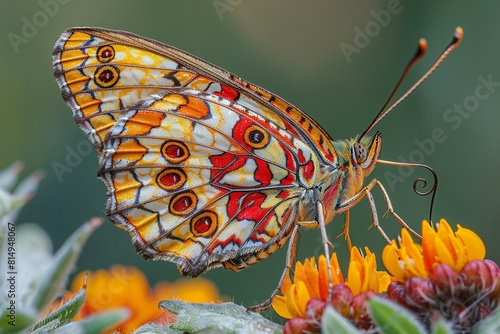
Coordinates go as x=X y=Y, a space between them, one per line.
x=446 y=276
x=443 y=246
x=311 y=281
x=128 y=287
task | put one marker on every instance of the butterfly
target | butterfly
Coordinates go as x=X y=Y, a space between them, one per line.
x=202 y=168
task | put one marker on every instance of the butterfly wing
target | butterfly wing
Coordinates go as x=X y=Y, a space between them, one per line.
x=198 y=180
x=203 y=169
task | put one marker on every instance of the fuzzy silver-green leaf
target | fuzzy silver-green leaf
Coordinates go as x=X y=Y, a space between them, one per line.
x=225 y=317
x=64 y=260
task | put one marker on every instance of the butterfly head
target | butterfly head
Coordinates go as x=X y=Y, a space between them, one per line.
x=357 y=158
x=366 y=152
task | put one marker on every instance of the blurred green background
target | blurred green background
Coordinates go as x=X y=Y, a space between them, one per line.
x=296 y=49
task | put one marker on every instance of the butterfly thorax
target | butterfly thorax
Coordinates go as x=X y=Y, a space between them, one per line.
x=338 y=183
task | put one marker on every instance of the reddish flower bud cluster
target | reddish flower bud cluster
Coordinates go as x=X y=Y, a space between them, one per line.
x=353 y=308
x=464 y=298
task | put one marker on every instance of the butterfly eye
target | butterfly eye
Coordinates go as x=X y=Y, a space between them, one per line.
x=360 y=153
x=106 y=76
x=204 y=224
x=105 y=54
x=174 y=151
x=171 y=179
x=256 y=137
x=183 y=203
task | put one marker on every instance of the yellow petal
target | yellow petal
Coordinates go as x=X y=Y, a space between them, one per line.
x=303 y=297
x=353 y=272
x=458 y=252
x=279 y=305
x=286 y=285
x=445 y=233
x=443 y=253
x=472 y=242
x=428 y=246
x=299 y=272
x=296 y=300
x=322 y=277
x=384 y=280
x=311 y=273
x=338 y=278
x=392 y=262
x=411 y=254
x=291 y=303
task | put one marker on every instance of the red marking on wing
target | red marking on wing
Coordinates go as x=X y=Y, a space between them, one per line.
x=301 y=157
x=284 y=194
x=290 y=129
x=220 y=161
x=308 y=170
x=239 y=131
x=223 y=243
x=263 y=174
x=246 y=206
x=331 y=194
x=228 y=93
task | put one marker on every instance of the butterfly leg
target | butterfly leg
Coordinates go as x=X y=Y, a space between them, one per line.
x=345 y=232
x=390 y=210
x=366 y=191
x=326 y=244
x=290 y=259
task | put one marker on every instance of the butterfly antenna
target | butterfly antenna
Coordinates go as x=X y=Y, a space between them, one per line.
x=422 y=47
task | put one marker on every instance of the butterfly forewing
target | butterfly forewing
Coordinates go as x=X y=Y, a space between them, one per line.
x=103 y=72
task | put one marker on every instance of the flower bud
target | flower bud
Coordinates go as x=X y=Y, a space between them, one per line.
x=314 y=309
x=299 y=326
x=361 y=316
x=420 y=292
x=479 y=275
x=396 y=292
x=445 y=280
x=341 y=299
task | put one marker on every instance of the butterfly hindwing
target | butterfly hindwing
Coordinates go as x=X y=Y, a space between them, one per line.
x=198 y=181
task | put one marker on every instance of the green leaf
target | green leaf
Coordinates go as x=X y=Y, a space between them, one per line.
x=8 y=176
x=490 y=324
x=64 y=260
x=156 y=329
x=8 y=205
x=96 y=323
x=66 y=312
x=334 y=322
x=47 y=327
x=393 y=319
x=225 y=317
x=23 y=192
